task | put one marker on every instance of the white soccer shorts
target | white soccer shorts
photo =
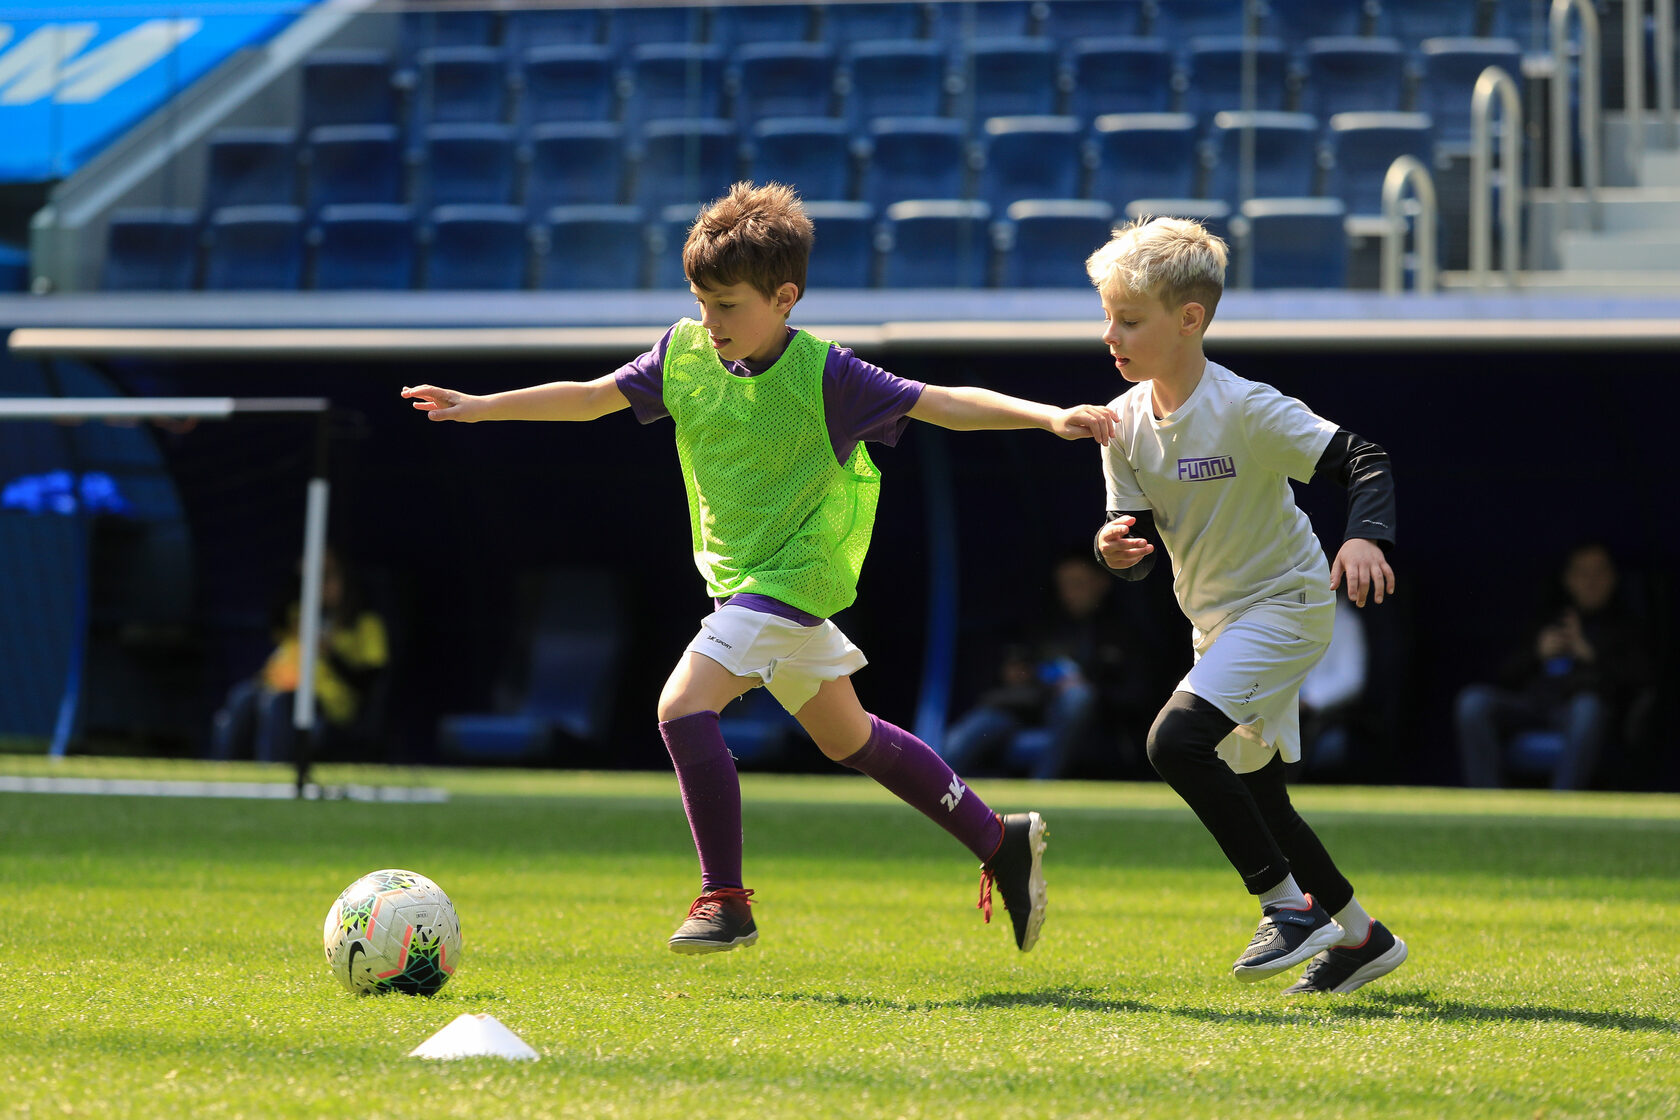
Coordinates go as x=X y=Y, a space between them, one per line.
x=1252 y=672
x=792 y=660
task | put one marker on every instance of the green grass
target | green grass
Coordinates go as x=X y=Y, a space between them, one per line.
x=162 y=958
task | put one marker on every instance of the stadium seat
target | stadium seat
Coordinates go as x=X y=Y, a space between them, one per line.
x=685 y=162
x=784 y=80
x=151 y=250
x=844 y=253
x=252 y=248
x=469 y=163
x=461 y=85
x=896 y=78
x=1285 y=156
x=959 y=21
x=529 y=29
x=1295 y=242
x=1353 y=75
x=353 y=163
x=447 y=27
x=347 y=87
x=580 y=164
x=1143 y=155
x=1048 y=241
x=811 y=154
x=1525 y=21
x=1010 y=77
x=665 y=236
x=1210 y=212
x=1179 y=21
x=1450 y=70
x=652 y=25
x=476 y=247
x=735 y=25
x=913 y=158
x=669 y=81
x=1066 y=21
x=937 y=244
x=593 y=248
x=1214 y=73
x=853 y=23
x=250 y=167
x=575 y=82
x=1119 y=75
x=1413 y=21
x=1363 y=146
x=1030 y=157
x=364 y=248
x=1298 y=21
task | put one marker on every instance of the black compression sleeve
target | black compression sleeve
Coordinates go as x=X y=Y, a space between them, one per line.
x=1144 y=527
x=1364 y=470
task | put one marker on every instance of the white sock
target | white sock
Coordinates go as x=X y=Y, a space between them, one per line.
x=1285 y=893
x=1355 y=923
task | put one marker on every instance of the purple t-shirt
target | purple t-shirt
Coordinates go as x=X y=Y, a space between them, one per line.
x=860 y=402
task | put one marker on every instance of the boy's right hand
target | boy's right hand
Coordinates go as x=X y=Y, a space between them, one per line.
x=1119 y=549
x=445 y=404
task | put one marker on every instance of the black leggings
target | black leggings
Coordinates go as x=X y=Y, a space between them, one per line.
x=1249 y=815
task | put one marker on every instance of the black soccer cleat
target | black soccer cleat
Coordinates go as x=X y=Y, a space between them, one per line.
x=717 y=921
x=1017 y=867
x=1286 y=936
x=1342 y=968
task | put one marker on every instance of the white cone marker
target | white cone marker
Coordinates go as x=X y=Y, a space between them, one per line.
x=474 y=1036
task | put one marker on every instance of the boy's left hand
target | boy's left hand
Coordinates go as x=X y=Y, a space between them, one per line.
x=1084 y=420
x=1366 y=569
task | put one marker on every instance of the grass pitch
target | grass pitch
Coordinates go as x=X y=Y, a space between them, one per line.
x=162 y=957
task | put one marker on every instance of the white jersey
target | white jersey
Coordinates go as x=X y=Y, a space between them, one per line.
x=1216 y=474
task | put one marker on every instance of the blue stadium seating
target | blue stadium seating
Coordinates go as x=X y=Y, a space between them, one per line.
x=852 y=23
x=469 y=163
x=665 y=237
x=1285 y=156
x=1450 y=70
x=593 y=248
x=574 y=165
x=632 y=27
x=461 y=85
x=1295 y=243
x=1297 y=21
x=685 y=162
x=1211 y=212
x=347 y=87
x=844 y=253
x=896 y=78
x=250 y=167
x=1010 y=77
x=1525 y=21
x=784 y=80
x=811 y=154
x=1179 y=21
x=1049 y=241
x=1119 y=75
x=958 y=22
x=364 y=248
x=353 y=163
x=1143 y=155
x=914 y=158
x=1030 y=157
x=937 y=244
x=151 y=250
x=446 y=27
x=1363 y=145
x=1353 y=75
x=531 y=28
x=476 y=247
x=574 y=82
x=1214 y=73
x=251 y=248
x=1413 y=21
x=735 y=25
x=1066 y=21
x=674 y=80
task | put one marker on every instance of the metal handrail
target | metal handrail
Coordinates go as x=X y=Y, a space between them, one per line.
x=1633 y=74
x=1495 y=81
x=1403 y=171
x=1664 y=10
x=1589 y=112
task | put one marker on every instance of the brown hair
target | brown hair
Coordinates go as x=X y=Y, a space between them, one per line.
x=752 y=235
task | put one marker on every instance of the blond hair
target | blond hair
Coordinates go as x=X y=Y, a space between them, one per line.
x=1172 y=259
x=752 y=235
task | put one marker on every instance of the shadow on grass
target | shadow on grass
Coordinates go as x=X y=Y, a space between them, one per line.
x=1376 y=1006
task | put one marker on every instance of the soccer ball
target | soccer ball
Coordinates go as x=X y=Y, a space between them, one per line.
x=393 y=931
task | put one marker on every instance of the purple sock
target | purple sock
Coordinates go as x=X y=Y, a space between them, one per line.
x=711 y=793
x=912 y=770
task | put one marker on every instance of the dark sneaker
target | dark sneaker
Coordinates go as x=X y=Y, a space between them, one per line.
x=1342 y=968
x=1286 y=937
x=717 y=921
x=1017 y=867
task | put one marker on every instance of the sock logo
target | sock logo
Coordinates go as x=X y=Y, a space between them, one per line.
x=953 y=796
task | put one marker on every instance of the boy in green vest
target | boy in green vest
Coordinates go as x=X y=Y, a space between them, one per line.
x=771 y=425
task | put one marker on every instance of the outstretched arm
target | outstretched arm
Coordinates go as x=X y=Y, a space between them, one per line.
x=968 y=409
x=558 y=400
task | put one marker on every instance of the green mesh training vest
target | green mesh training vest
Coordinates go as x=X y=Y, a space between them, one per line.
x=770 y=509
